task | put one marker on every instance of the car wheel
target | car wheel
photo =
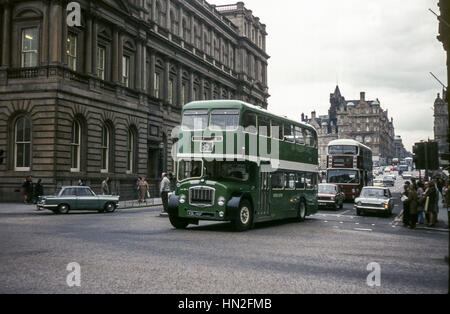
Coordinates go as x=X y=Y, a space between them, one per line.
x=244 y=218
x=110 y=207
x=342 y=205
x=358 y=212
x=63 y=209
x=302 y=211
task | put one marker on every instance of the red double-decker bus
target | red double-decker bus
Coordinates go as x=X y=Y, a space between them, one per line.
x=349 y=165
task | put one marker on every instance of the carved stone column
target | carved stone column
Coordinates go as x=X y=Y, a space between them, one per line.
x=115 y=56
x=6 y=43
x=56 y=15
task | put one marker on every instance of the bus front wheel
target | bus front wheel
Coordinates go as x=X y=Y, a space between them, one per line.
x=244 y=218
x=178 y=223
x=302 y=211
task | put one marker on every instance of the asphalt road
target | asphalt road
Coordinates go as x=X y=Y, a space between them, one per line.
x=136 y=251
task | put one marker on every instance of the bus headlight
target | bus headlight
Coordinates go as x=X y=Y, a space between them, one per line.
x=221 y=201
x=182 y=199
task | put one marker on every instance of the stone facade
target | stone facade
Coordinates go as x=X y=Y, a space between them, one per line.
x=441 y=127
x=102 y=99
x=362 y=120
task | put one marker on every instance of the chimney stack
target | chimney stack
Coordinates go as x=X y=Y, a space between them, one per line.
x=313 y=115
x=363 y=96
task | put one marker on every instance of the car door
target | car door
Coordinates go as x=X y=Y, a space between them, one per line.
x=69 y=196
x=86 y=199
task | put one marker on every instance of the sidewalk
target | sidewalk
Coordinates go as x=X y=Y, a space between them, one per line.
x=16 y=208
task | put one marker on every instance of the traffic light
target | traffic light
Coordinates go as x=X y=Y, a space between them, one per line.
x=419 y=155
x=2 y=156
x=433 y=155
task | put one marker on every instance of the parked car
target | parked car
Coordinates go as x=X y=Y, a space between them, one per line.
x=374 y=199
x=378 y=182
x=388 y=181
x=78 y=198
x=330 y=195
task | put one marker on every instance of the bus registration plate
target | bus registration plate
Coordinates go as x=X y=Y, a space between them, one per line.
x=207 y=147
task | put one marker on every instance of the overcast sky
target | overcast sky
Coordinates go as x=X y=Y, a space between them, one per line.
x=386 y=48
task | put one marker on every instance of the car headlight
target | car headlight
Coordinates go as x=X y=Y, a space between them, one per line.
x=221 y=201
x=359 y=203
x=182 y=199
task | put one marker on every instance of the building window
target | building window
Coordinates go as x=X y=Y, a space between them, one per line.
x=156 y=84
x=101 y=51
x=105 y=148
x=170 y=91
x=183 y=94
x=126 y=71
x=76 y=147
x=30 y=43
x=22 y=145
x=72 y=52
x=130 y=152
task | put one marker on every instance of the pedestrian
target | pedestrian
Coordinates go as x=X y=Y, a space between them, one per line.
x=430 y=202
x=412 y=205
x=420 y=203
x=414 y=183
x=447 y=200
x=38 y=191
x=105 y=186
x=143 y=188
x=81 y=182
x=404 y=198
x=138 y=183
x=436 y=202
x=164 y=190
x=28 y=190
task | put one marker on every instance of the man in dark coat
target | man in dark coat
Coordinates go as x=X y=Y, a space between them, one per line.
x=430 y=193
x=406 y=217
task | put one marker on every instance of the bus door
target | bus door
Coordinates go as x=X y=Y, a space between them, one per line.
x=264 y=194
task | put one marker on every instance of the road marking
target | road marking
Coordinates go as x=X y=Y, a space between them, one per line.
x=345 y=212
x=361 y=229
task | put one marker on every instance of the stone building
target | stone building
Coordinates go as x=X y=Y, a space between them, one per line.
x=441 y=127
x=362 y=120
x=101 y=99
x=400 y=150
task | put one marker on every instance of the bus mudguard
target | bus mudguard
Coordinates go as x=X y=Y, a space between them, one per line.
x=174 y=203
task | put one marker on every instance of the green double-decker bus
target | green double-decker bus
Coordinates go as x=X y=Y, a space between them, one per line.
x=238 y=163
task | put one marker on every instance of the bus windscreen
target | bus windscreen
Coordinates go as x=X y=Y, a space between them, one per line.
x=195 y=120
x=343 y=176
x=343 y=150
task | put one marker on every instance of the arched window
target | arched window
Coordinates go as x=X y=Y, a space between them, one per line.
x=22 y=144
x=131 y=149
x=106 y=141
x=76 y=147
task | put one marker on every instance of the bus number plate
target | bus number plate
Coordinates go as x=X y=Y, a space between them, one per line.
x=207 y=147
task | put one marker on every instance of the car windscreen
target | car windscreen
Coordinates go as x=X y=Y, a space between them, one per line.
x=327 y=189
x=373 y=193
x=224 y=120
x=343 y=176
x=195 y=120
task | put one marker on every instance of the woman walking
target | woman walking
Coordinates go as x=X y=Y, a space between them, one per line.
x=143 y=188
x=430 y=201
x=420 y=203
x=412 y=200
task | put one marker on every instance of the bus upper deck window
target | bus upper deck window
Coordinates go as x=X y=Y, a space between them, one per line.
x=224 y=120
x=299 y=137
x=264 y=126
x=289 y=133
x=277 y=130
x=195 y=120
x=249 y=122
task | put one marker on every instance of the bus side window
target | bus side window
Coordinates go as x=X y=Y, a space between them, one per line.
x=249 y=122
x=289 y=133
x=308 y=180
x=264 y=126
x=290 y=183
x=277 y=130
x=300 y=183
x=278 y=180
x=309 y=138
x=299 y=138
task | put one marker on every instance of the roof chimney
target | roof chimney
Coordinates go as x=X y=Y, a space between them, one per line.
x=303 y=117
x=363 y=96
x=313 y=115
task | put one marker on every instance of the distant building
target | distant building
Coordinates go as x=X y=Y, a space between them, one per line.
x=400 y=151
x=362 y=120
x=441 y=126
